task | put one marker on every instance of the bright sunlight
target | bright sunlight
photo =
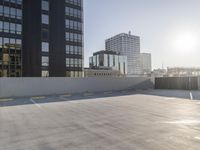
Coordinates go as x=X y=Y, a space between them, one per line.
x=186 y=42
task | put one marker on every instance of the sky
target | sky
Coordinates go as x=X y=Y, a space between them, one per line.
x=169 y=29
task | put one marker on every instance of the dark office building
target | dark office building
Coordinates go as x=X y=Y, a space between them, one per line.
x=41 y=38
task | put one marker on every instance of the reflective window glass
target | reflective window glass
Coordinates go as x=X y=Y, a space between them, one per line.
x=45 y=47
x=45 y=5
x=45 y=19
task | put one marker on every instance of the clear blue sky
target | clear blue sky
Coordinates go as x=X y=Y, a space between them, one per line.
x=169 y=29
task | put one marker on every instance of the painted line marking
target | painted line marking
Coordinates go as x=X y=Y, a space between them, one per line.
x=35 y=103
x=6 y=99
x=108 y=92
x=186 y=122
x=170 y=98
x=66 y=95
x=88 y=94
x=124 y=91
x=197 y=138
x=38 y=97
x=191 y=96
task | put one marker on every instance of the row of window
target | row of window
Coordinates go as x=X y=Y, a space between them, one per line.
x=8 y=27
x=45 y=45
x=10 y=12
x=77 y=50
x=74 y=2
x=74 y=74
x=6 y=41
x=70 y=62
x=14 y=1
x=73 y=24
x=73 y=37
x=73 y=12
x=73 y=62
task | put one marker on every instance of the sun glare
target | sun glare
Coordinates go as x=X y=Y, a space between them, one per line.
x=186 y=42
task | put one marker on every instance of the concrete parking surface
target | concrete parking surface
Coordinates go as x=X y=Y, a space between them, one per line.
x=140 y=120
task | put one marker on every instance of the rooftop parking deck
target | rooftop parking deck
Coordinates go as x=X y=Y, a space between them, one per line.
x=125 y=120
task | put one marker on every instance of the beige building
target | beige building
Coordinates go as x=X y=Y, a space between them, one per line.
x=101 y=73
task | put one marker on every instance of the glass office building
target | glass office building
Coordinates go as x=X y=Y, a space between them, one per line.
x=41 y=38
x=10 y=38
x=109 y=59
x=74 y=38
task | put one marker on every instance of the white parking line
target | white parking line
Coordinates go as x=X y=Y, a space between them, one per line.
x=170 y=98
x=191 y=96
x=35 y=103
x=197 y=138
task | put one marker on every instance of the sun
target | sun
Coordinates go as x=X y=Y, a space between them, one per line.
x=186 y=42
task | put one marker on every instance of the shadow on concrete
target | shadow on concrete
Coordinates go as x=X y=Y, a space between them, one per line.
x=63 y=98
x=83 y=96
x=182 y=94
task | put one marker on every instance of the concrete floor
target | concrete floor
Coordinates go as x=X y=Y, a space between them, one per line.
x=134 y=121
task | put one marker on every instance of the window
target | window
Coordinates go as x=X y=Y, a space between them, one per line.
x=6 y=11
x=67 y=36
x=19 y=41
x=1 y=42
x=67 y=23
x=19 y=28
x=12 y=28
x=6 y=27
x=67 y=62
x=45 y=47
x=19 y=2
x=45 y=19
x=45 y=5
x=1 y=26
x=12 y=12
x=71 y=62
x=45 y=73
x=19 y=13
x=67 y=49
x=1 y=10
x=73 y=12
x=45 y=61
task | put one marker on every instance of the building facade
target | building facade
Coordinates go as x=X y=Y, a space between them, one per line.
x=128 y=45
x=11 y=38
x=109 y=59
x=45 y=37
x=145 y=63
x=88 y=72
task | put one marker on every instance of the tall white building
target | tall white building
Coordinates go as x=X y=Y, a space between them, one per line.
x=128 y=45
x=145 y=63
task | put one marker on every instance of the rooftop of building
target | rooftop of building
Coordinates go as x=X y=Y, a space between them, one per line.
x=124 y=34
x=106 y=52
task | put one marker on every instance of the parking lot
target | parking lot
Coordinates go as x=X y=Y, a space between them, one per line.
x=123 y=120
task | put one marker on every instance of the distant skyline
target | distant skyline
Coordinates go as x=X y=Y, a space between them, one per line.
x=169 y=29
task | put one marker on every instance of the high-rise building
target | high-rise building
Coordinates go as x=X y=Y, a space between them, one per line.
x=128 y=45
x=145 y=63
x=109 y=60
x=41 y=38
x=10 y=38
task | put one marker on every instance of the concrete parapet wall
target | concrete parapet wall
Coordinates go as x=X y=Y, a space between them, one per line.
x=181 y=83
x=19 y=87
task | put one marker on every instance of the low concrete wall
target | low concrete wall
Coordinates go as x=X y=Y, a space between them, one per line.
x=199 y=83
x=181 y=83
x=17 y=87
